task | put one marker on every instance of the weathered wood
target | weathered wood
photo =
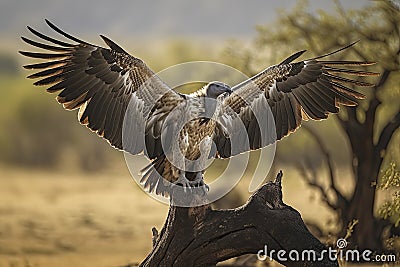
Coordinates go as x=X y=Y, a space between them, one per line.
x=201 y=236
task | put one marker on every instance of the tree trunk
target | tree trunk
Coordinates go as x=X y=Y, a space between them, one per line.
x=367 y=233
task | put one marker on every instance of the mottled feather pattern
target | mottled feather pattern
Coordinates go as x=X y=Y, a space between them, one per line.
x=103 y=83
x=309 y=89
x=99 y=81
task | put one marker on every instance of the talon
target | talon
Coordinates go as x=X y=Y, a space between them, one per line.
x=183 y=181
x=205 y=188
x=201 y=184
x=188 y=185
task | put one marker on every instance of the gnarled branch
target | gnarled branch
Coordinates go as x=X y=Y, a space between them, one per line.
x=201 y=236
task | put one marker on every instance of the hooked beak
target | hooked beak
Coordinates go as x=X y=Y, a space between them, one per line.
x=229 y=91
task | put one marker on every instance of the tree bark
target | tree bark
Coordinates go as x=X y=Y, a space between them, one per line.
x=201 y=236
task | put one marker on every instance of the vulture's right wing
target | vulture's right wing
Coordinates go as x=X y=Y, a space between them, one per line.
x=106 y=85
x=272 y=104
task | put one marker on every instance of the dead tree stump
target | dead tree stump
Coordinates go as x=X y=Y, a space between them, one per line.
x=201 y=236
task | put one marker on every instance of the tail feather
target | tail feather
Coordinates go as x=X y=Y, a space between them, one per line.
x=158 y=177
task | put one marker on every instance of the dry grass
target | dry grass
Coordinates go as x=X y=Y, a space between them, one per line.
x=50 y=219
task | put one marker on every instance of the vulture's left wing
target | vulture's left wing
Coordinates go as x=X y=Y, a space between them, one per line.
x=108 y=86
x=283 y=95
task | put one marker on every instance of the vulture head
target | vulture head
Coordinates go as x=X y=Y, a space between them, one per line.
x=214 y=89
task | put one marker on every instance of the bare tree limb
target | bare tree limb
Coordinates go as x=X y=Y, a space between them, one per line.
x=201 y=236
x=341 y=201
x=309 y=175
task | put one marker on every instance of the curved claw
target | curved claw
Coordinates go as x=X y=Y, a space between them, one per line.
x=188 y=185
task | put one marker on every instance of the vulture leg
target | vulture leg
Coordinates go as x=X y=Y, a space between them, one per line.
x=183 y=181
x=199 y=182
x=205 y=148
x=179 y=158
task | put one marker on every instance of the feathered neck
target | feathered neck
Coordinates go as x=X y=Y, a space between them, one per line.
x=200 y=93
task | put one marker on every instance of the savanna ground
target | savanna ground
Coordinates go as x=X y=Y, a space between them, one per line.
x=75 y=219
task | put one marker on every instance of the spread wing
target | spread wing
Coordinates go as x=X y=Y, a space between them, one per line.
x=105 y=84
x=283 y=95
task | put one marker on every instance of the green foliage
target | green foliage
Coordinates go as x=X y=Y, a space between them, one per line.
x=390 y=181
x=390 y=177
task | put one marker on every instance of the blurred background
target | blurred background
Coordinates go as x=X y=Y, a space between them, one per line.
x=66 y=196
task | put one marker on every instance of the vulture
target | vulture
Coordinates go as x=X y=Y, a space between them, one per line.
x=122 y=100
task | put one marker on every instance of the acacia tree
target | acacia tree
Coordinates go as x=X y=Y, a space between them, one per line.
x=369 y=128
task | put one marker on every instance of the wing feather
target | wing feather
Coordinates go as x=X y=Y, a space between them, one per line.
x=49 y=39
x=103 y=83
x=309 y=89
x=46 y=46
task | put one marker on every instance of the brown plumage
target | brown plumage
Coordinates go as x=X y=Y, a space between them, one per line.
x=123 y=101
